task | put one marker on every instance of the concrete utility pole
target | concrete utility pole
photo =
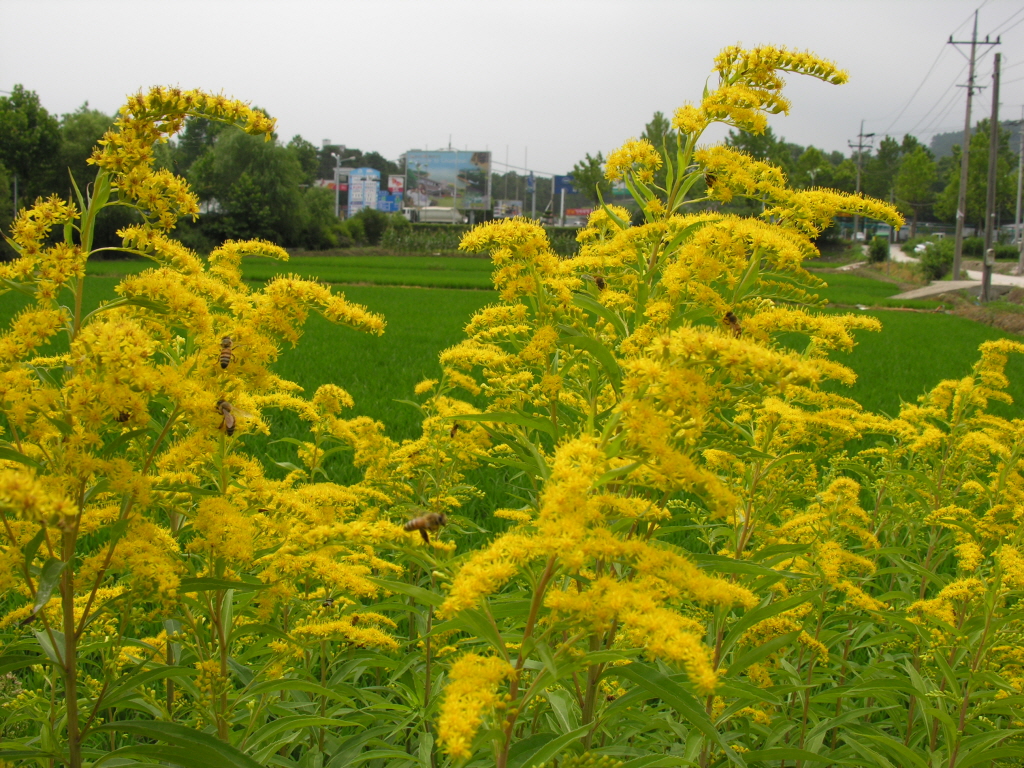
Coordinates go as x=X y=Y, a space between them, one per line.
x=961 y=206
x=860 y=146
x=990 y=192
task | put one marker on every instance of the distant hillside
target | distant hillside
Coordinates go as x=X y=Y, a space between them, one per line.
x=942 y=143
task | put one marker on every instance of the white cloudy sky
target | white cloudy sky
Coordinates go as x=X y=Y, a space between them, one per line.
x=543 y=81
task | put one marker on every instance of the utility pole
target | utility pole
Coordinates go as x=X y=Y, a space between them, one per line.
x=961 y=206
x=1020 y=188
x=990 y=193
x=860 y=146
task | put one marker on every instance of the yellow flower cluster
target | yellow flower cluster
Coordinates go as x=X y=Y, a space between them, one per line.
x=635 y=157
x=470 y=695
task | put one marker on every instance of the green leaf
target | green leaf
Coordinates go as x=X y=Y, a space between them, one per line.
x=32 y=546
x=54 y=652
x=763 y=756
x=519 y=419
x=19 y=661
x=186 y=746
x=127 y=687
x=421 y=595
x=110 y=448
x=208 y=583
x=290 y=723
x=659 y=685
x=48 y=578
x=8 y=454
x=157 y=307
x=539 y=749
x=588 y=303
x=599 y=351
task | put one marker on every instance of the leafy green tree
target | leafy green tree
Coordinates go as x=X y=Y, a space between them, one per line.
x=193 y=142
x=254 y=185
x=844 y=176
x=765 y=146
x=6 y=211
x=880 y=169
x=977 y=179
x=30 y=143
x=813 y=169
x=308 y=157
x=588 y=178
x=660 y=133
x=914 y=183
x=80 y=131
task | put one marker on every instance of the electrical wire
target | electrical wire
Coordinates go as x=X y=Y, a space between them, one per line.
x=941 y=100
x=918 y=89
x=999 y=29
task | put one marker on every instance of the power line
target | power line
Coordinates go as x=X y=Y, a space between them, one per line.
x=940 y=100
x=999 y=28
x=931 y=69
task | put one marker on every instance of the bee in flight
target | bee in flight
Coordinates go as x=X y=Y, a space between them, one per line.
x=428 y=522
x=226 y=355
x=328 y=603
x=229 y=423
x=730 y=321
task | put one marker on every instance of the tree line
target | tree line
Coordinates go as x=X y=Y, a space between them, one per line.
x=251 y=188
x=905 y=173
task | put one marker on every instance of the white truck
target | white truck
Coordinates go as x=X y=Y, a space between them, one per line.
x=435 y=214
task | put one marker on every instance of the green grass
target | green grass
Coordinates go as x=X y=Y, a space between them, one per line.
x=916 y=351
x=433 y=271
x=911 y=355
x=851 y=290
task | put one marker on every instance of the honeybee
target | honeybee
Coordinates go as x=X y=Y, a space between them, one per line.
x=710 y=179
x=730 y=321
x=428 y=522
x=599 y=281
x=454 y=429
x=122 y=417
x=226 y=355
x=229 y=423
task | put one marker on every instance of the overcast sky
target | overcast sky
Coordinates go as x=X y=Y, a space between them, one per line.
x=539 y=82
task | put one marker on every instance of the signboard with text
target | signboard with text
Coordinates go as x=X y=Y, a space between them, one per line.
x=363 y=187
x=396 y=184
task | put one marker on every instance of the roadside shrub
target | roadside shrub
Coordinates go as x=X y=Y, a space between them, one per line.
x=937 y=259
x=973 y=247
x=878 y=250
x=374 y=223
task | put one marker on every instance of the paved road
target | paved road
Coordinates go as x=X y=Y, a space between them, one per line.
x=896 y=254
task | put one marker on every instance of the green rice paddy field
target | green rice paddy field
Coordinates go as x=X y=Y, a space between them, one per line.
x=427 y=301
x=426 y=312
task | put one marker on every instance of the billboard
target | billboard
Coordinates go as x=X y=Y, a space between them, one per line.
x=564 y=184
x=448 y=178
x=396 y=184
x=506 y=209
x=363 y=186
x=389 y=202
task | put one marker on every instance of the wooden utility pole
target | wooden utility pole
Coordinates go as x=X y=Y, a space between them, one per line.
x=961 y=206
x=860 y=146
x=990 y=192
x=1018 y=230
